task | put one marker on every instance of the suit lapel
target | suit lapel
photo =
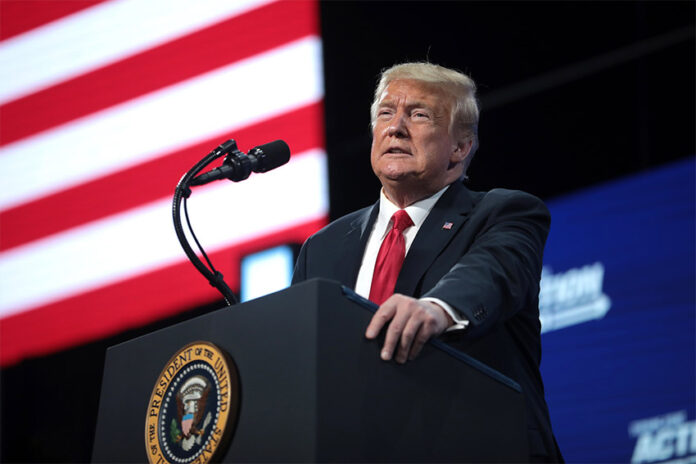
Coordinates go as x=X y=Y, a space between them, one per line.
x=353 y=244
x=440 y=227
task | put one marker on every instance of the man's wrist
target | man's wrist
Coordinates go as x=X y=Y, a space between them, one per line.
x=458 y=322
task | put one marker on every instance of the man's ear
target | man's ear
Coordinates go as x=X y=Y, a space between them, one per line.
x=461 y=150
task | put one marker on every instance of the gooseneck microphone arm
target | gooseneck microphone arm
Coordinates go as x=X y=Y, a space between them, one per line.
x=236 y=167
x=183 y=191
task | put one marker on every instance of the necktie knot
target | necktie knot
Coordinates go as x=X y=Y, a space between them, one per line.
x=402 y=220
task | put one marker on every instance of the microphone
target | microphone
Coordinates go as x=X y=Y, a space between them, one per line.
x=237 y=165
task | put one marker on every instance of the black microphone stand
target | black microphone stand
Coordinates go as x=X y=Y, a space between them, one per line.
x=182 y=192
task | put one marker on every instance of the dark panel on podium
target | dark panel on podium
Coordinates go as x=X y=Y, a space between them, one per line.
x=314 y=389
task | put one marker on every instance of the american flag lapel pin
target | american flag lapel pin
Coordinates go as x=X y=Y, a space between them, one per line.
x=447 y=225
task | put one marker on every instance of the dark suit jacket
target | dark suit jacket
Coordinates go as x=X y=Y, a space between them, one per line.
x=487 y=265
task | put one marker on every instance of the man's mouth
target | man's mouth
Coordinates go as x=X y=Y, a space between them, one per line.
x=397 y=151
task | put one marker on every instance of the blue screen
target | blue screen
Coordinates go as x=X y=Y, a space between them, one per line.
x=618 y=312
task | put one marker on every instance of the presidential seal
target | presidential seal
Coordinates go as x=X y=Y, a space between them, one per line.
x=193 y=408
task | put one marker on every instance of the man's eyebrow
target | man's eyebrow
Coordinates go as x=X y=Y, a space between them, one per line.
x=418 y=104
x=410 y=105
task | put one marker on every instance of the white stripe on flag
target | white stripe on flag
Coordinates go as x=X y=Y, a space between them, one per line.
x=100 y=35
x=143 y=239
x=136 y=131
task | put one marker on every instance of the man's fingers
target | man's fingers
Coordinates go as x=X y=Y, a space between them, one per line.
x=408 y=335
x=411 y=323
x=394 y=332
x=380 y=318
x=429 y=320
x=421 y=338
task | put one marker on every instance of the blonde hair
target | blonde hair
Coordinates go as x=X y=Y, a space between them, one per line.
x=460 y=87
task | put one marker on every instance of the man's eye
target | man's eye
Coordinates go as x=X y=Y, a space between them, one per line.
x=420 y=114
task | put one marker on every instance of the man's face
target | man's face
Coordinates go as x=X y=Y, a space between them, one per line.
x=412 y=146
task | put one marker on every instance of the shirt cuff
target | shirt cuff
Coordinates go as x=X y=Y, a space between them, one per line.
x=459 y=322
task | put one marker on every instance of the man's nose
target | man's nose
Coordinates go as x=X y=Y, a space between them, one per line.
x=397 y=126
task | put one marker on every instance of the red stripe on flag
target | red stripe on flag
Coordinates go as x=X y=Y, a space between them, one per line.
x=232 y=40
x=302 y=129
x=130 y=303
x=18 y=16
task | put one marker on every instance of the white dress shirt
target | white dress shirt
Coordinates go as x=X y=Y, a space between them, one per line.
x=418 y=212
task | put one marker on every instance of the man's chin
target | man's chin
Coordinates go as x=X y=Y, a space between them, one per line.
x=395 y=177
x=400 y=181
x=394 y=169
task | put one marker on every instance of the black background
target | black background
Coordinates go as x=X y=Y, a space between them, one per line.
x=572 y=94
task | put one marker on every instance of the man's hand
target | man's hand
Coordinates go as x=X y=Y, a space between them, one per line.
x=413 y=323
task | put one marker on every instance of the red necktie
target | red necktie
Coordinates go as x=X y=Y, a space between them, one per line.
x=390 y=258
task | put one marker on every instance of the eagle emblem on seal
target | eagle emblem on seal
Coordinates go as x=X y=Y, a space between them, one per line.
x=190 y=404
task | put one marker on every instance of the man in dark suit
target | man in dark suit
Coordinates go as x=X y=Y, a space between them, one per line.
x=439 y=259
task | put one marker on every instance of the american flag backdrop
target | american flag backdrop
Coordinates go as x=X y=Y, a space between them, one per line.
x=103 y=106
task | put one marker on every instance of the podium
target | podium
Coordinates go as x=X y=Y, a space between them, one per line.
x=313 y=388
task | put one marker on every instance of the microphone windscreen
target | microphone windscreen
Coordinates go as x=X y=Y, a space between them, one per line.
x=271 y=155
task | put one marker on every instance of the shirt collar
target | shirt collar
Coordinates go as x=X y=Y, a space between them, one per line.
x=418 y=211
